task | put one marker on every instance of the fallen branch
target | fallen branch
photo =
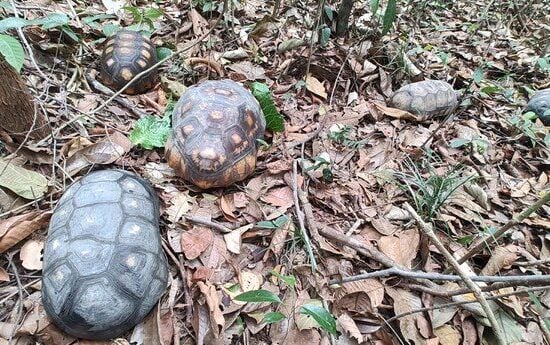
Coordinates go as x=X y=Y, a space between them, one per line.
x=519 y=280
x=210 y=223
x=481 y=244
x=428 y=230
x=463 y=291
x=459 y=303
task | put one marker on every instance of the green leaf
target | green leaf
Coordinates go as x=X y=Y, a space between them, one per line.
x=13 y=51
x=290 y=281
x=329 y=13
x=258 y=296
x=389 y=16
x=150 y=132
x=374 y=4
x=163 y=52
x=459 y=143
x=321 y=316
x=478 y=75
x=52 y=21
x=25 y=183
x=5 y=4
x=13 y=23
x=110 y=29
x=91 y=19
x=273 y=224
x=274 y=120
x=134 y=11
x=544 y=64
x=69 y=32
x=153 y=14
x=325 y=36
x=273 y=317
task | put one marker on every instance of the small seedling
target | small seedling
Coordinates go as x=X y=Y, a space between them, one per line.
x=473 y=145
x=525 y=123
x=342 y=135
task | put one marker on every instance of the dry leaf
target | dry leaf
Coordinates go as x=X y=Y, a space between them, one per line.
x=315 y=86
x=25 y=183
x=448 y=335
x=347 y=323
x=4 y=276
x=279 y=197
x=397 y=113
x=16 y=228
x=181 y=204
x=105 y=151
x=249 y=70
x=217 y=320
x=31 y=255
x=233 y=239
x=500 y=258
x=227 y=205
x=402 y=248
x=195 y=241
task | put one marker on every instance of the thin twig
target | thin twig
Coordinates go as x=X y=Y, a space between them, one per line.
x=428 y=230
x=300 y=216
x=210 y=223
x=19 y=315
x=521 y=280
x=462 y=291
x=476 y=248
x=459 y=303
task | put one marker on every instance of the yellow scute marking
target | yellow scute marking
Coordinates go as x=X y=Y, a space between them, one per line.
x=126 y=74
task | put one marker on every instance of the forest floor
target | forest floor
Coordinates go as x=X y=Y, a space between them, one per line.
x=329 y=197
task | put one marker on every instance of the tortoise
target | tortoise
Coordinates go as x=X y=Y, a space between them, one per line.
x=215 y=125
x=427 y=98
x=540 y=105
x=126 y=54
x=104 y=268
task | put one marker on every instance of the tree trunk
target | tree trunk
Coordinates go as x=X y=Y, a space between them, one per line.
x=343 y=17
x=17 y=113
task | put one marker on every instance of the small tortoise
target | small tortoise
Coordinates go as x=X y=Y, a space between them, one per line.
x=215 y=125
x=104 y=268
x=540 y=105
x=126 y=54
x=428 y=98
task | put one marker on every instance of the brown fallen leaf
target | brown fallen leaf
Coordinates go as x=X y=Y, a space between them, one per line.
x=181 y=204
x=249 y=70
x=195 y=241
x=4 y=277
x=105 y=151
x=396 y=113
x=31 y=255
x=16 y=228
x=402 y=247
x=227 y=205
x=280 y=197
x=500 y=258
x=448 y=335
x=217 y=320
x=313 y=85
x=347 y=323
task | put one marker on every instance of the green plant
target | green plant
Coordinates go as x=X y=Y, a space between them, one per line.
x=143 y=19
x=473 y=145
x=151 y=131
x=389 y=16
x=429 y=191
x=526 y=125
x=274 y=120
x=342 y=135
x=11 y=48
x=324 y=164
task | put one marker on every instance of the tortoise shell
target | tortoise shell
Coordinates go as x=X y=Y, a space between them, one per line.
x=215 y=125
x=104 y=268
x=126 y=54
x=428 y=98
x=540 y=105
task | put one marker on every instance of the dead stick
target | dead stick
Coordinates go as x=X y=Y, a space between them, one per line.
x=513 y=222
x=446 y=277
x=459 y=303
x=428 y=230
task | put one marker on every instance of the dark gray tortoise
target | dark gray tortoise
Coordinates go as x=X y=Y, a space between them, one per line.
x=104 y=268
x=540 y=105
x=215 y=127
x=428 y=98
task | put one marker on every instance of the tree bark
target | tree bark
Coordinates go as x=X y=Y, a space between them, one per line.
x=343 y=17
x=17 y=112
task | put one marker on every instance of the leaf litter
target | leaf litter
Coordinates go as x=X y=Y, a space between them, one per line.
x=351 y=148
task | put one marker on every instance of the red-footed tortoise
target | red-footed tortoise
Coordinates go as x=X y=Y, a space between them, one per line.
x=428 y=98
x=126 y=54
x=215 y=127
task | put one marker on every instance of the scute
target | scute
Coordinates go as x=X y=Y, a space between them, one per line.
x=206 y=154
x=540 y=105
x=104 y=268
